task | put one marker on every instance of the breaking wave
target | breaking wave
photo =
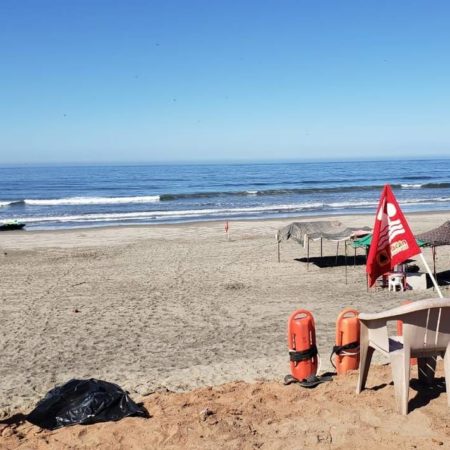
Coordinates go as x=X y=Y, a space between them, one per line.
x=300 y=190
x=173 y=213
x=411 y=186
x=212 y=213
x=84 y=201
x=72 y=201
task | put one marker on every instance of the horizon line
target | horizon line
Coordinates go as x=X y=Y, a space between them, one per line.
x=223 y=161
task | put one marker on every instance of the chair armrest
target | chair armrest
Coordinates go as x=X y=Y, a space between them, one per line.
x=374 y=334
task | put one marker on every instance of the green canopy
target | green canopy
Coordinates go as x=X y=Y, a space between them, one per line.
x=367 y=240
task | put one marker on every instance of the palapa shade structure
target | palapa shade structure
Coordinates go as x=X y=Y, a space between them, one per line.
x=435 y=238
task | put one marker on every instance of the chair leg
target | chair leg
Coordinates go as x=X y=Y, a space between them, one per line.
x=400 y=374
x=365 y=357
x=447 y=372
x=426 y=368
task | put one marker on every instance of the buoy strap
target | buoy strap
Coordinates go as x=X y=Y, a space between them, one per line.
x=303 y=355
x=338 y=349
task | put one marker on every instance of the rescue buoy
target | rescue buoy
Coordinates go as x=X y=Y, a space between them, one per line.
x=347 y=341
x=302 y=345
x=413 y=361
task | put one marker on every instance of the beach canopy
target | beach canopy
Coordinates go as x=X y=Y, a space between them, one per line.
x=330 y=230
x=437 y=236
x=323 y=229
x=367 y=240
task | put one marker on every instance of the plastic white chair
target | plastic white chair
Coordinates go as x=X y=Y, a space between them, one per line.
x=426 y=334
x=396 y=280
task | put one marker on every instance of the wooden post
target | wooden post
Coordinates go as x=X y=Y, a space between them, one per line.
x=337 y=253
x=367 y=275
x=345 y=260
x=307 y=257
x=278 y=243
x=433 y=249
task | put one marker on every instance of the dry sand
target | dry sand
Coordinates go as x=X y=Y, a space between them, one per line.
x=264 y=415
x=179 y=307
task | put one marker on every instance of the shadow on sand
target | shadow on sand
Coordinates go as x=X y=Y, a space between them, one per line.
x=333 y=261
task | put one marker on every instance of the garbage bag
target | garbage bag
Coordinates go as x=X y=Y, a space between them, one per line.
x=84 y=402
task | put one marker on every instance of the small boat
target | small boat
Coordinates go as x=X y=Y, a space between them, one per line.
x=11 y=225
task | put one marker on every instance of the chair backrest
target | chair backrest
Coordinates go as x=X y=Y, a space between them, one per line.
x=396 y=278
x=426 y=325
x=427 y=329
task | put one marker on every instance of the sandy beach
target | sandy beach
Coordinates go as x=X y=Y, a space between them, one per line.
x=179 y=307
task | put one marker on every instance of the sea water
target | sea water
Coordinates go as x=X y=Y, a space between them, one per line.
x=98 y=195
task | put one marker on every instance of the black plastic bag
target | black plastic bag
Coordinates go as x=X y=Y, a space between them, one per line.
x=84 y=402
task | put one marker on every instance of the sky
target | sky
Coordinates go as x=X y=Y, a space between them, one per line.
x=169 y=81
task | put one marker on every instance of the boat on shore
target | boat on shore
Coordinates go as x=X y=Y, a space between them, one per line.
x=11 y=225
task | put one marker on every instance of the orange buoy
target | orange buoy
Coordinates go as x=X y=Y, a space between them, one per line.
x=413 y=361
x=347 y=341
x=302 y=344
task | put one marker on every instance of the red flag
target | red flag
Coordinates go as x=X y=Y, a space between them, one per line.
x=392 y=239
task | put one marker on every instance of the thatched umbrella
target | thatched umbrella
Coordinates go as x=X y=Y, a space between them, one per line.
x=435 y=238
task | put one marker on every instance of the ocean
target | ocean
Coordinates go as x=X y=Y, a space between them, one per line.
x=78 y=196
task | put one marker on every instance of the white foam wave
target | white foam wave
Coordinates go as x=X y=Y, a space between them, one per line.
x=145 y=215
x=4 y=204
x=410 y=201
x=411 y=186
x=351 y=204
x=92 y=200
x=424 y=201
x=251 y=192
x=199 y=214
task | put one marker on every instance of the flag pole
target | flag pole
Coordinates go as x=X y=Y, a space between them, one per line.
x=436 y=286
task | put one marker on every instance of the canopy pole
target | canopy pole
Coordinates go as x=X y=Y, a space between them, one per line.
x=345 y=260
x=321 y=254
x=367 y=275
x=354 y=259
x=431 y=275
x=337 y=252
x=307 y=257
x=278 y=244
x=433 y=249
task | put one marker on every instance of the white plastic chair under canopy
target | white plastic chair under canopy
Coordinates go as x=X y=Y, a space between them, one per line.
x=396 y=280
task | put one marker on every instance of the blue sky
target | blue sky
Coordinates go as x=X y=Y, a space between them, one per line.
x=93 y=81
